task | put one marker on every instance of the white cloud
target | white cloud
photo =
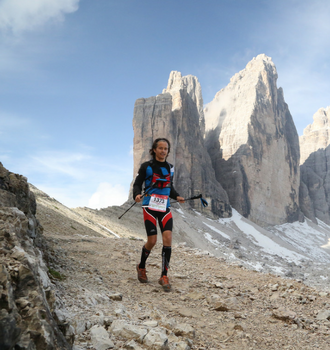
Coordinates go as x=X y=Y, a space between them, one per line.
x=72 y=195
x=108 y=195
x=75 y=178
x=20 y=15
x=62 y=163
x=77 y=166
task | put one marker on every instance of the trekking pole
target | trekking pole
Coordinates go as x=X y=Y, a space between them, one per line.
x=203 y=201
x=127 y=210
x=146 y=192
x=131 y=207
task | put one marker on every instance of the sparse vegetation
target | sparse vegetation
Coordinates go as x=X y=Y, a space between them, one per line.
x=56 y=274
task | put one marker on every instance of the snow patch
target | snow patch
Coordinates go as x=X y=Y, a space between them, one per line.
x=265 y=243
x=216 y=230
x=180 y=211
x=115 y=234
x=210 y=239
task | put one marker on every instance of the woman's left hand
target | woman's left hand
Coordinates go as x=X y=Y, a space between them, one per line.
x=180 y=199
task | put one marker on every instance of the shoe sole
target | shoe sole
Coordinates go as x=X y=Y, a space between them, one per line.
x=166 y=287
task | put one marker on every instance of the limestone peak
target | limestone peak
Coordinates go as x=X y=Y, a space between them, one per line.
x=250 y=134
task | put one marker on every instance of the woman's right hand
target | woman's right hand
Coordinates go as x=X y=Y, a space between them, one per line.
x=138 y=198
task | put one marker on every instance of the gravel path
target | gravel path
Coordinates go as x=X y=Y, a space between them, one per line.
x=227 y=306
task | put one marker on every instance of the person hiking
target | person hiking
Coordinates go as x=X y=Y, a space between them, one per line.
x=157 y=174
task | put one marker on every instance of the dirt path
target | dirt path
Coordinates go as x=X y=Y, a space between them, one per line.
x=227 y=306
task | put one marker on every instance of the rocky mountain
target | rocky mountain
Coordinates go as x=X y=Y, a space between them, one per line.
x=68 y=276
x=177 y=114
x=315 y=161
x=254 y=146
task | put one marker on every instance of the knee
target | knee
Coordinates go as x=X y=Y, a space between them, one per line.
x=167 y=238
x=151 y=242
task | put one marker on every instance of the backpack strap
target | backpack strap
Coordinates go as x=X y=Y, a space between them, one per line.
x=156 y=169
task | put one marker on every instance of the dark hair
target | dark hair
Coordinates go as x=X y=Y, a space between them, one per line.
x=154 y=146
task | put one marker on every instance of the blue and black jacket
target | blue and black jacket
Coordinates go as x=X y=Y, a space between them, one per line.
x=148 y=173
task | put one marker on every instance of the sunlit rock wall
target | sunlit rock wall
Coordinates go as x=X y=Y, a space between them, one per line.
x=253 y=144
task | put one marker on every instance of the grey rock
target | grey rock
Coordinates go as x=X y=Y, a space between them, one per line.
x=97 y=320
x=132 y=345
x=177 y=115
x=254 y=147
x=184 y=330
x=60 y=316
x=128 y=331
x=100 y=338
x=108 y=321
x=10 y=332
x=156 y=339
x=80 y=326
x=116 y=296
x=78 y=347
x=188 y=312
x=315 y=175
x=323 y=315
x=30 y=319
x=217 y=303
x=284 y=314
x=180 y=346
x=150 y=324
x=120 y=310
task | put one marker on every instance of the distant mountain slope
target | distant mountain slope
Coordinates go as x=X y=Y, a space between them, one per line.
x=297 y=250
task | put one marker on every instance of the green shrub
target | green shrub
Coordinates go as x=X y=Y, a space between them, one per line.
x=56 y=274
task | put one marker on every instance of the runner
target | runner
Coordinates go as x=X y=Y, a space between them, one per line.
x=157 y=174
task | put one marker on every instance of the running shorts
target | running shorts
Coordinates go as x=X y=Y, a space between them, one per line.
x=165 y=220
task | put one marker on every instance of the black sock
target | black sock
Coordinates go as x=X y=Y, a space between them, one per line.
x=144 y=256
x=166 y=257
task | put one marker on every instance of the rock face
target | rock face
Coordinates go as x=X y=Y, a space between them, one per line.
x=177 y=115
x=27 y=299
x=253 y=144
x=315 y=174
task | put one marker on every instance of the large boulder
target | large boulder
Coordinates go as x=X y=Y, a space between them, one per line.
x=315 y=163
x=15 y=192
x=254 y=146
x=27 y=297
x=177 y=114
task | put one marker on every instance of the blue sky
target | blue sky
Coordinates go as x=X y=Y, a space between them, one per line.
x=71 y=70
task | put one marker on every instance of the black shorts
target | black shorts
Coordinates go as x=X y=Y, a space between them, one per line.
x=165 y=220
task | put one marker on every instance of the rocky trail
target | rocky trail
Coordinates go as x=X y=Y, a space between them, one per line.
x=212 y=305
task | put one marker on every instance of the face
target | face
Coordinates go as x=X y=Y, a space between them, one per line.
x=161 y=151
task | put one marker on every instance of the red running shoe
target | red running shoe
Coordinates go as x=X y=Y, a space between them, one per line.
x=165 y=283
x=142 y=274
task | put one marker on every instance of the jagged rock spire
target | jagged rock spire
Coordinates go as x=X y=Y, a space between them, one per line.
x=315 y=162
x=177 y=114
x=253 y=144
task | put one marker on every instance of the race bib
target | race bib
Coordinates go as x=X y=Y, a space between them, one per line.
x=158 y=202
